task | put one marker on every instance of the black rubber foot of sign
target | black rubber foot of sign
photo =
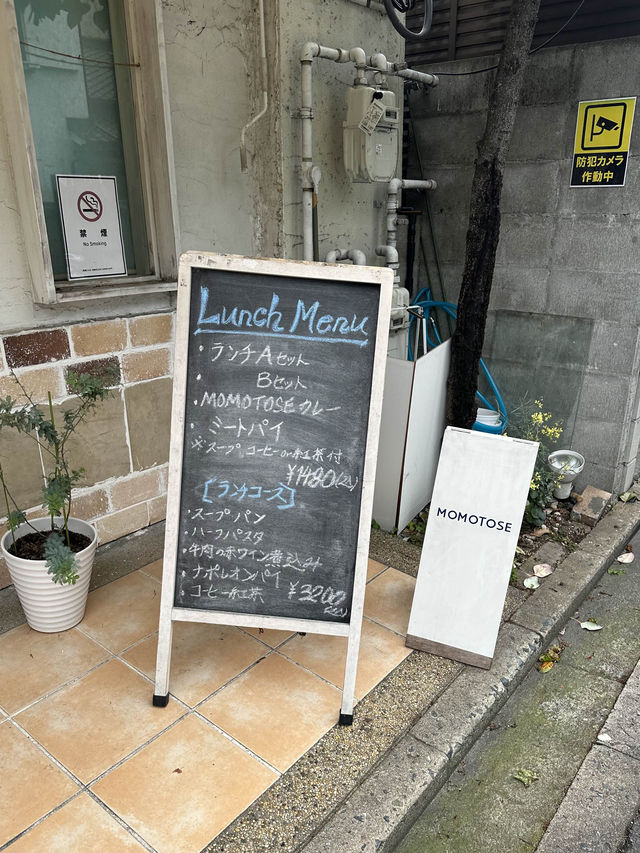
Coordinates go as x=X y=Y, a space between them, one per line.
x=345 y=719
x=160 y=701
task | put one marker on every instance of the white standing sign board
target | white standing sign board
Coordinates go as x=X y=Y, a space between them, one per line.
x=472 y=532
x=91 y=226
x=279 y=372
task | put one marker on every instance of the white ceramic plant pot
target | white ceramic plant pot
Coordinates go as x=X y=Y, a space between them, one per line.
x=51 y=607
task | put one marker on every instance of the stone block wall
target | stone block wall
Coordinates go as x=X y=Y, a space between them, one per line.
x=124 y=446
x=565 y=305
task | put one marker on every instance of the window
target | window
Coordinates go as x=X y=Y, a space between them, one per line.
x=88 y=104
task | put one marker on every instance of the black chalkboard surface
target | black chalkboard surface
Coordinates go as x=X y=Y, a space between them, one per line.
x=278 y=388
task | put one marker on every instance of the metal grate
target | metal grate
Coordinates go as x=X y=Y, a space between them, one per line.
x=463 y=29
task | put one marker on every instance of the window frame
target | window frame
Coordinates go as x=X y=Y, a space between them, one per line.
x=145 y=42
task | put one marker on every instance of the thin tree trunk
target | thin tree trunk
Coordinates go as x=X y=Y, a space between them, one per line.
x=484 y=216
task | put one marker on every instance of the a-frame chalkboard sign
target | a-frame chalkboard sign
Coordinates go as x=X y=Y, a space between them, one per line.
x=279 y=371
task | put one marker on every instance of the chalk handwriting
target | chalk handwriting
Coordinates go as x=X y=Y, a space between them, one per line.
x=307 y=323
x=215 y=489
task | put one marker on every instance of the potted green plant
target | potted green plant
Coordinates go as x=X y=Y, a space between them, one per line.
x=50 y=559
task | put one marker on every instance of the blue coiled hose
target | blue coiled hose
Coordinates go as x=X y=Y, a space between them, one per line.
x=424 y=301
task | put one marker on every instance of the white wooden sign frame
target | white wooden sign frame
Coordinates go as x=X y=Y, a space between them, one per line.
x=169 y=614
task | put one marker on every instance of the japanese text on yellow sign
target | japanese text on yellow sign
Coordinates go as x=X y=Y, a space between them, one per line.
x=601 y=148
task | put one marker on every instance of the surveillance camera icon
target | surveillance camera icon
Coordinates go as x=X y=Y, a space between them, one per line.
x=604 y=124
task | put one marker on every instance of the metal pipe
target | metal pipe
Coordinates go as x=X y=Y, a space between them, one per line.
x=390 y=253
x=393 y=189
x=309 y=52
x=392 y=260
x=377 y=62
x=356 y=256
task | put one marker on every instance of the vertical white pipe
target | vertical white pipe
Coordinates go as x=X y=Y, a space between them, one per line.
x=265 y=95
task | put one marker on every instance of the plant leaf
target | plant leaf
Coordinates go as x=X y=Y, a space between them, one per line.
x=627 y=557
x=552 y=654
x=591 y=626
x=612 y=571
x=546 y=665
x=542 y=570
x=628 y=497
x=525 y=776
x=531 y=583
x=15 y=519
x=61 y=562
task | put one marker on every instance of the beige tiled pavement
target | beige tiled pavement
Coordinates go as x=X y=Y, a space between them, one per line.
x=277 y=709
x=33 y=664
x=203 y=658
x=80 y=825
x=88 y=762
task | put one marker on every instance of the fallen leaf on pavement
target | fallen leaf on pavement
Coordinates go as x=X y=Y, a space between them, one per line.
x=591 y=626
x=545 y=666
x=627 y=557
x=531 y=583
x=628 y=497
x=552 y=654
x=612 y=571
x=542 y=570
x=525 y=776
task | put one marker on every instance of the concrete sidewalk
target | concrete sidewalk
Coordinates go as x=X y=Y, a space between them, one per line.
x=359 y=788
x=378 y=812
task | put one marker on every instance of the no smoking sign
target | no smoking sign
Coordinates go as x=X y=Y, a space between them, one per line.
x=91 y=226
x=89 y=206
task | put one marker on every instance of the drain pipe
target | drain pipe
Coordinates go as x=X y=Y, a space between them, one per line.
x=265 y=96
x=309 y=52
x=356 y=256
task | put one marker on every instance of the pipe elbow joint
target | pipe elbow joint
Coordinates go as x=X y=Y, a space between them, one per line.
x=379 y=62
x=390 y=253
x=309 y=51
x=333 y=256
x=394 y=186
x=357 y=257
x=358 y=57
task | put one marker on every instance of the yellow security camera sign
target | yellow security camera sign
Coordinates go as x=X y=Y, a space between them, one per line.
x=601 y=148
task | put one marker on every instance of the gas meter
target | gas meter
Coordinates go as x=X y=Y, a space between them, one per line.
x=370 y=135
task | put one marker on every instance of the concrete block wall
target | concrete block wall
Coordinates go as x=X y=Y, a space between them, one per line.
x=124 y=445
x=565 y=303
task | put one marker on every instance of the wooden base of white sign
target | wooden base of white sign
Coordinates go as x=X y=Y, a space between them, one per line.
x=444 y=651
